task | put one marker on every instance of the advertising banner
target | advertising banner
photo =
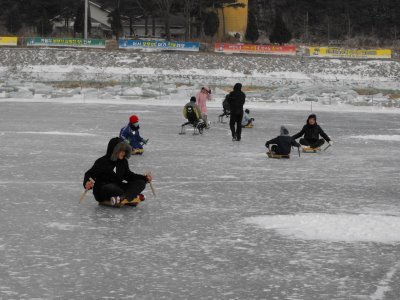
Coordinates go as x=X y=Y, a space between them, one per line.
x=8 y=41
x=255 y=49
x=158 y=45
x=350 y=53
x=66 y=42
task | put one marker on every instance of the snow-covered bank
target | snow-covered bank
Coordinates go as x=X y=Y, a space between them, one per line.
x=55 y=73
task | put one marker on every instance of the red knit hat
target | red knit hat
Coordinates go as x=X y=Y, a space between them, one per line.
x=133 y=119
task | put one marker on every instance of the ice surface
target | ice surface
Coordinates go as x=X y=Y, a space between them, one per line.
x=333 y=227
x=191 y=242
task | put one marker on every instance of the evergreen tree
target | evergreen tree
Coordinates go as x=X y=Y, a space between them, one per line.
x=13 y=20
x=115 y=22
x=211 y=24
x=280 y=33
x=79 y=23
x=252 y=28
x=44 y=27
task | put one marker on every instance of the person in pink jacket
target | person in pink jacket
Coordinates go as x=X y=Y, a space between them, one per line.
x=201 y=100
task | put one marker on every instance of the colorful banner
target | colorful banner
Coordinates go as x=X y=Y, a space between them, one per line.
x=158 y=45
x=349 y=53
x=66 y=42
x=255 y=49
x=8 y=41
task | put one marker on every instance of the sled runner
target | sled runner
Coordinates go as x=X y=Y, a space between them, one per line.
x=278 y=156
x=125 y=202
x=311 y=150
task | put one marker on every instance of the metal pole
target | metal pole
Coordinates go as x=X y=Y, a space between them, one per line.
x=86 y=19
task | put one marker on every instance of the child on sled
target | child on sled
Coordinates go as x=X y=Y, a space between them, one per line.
x=282 y=144
x=247 y=122
x=192 y=113
x=130 y=133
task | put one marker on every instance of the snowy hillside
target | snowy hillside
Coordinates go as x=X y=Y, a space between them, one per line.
x=128 y=75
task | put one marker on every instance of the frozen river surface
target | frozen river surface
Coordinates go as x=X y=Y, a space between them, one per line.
x=227 y=223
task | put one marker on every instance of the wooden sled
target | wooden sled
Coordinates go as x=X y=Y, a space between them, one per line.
x=249 y=126
x=311 y=150
x=124 y=202
x=137 y=151
x=278 y=156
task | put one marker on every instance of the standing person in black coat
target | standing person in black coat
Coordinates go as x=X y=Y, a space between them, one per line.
x=282 y=144
x=311 y=132
x=114 y=181
x=236 y=100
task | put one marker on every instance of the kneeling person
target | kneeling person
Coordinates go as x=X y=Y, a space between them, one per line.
x=283 y=143
x=115 y=183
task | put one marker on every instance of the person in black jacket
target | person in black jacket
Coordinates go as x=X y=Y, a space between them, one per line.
x=282 y=144
x=311 y=132
x=236 y=100
x=114 y=181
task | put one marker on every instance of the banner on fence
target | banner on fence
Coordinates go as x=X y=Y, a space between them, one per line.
x=66 y=42
x=350 y=53
x=255 y=49
x=158 y=45
x=8 y=41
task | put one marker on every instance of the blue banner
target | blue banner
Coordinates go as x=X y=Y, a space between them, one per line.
x=158 y=45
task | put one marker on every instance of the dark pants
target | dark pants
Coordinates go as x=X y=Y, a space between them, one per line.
x=236 y=119
x=312 y=143
x=124 y=190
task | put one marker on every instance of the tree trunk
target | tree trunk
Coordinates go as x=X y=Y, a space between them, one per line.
x=153 y=20
x=146 y=25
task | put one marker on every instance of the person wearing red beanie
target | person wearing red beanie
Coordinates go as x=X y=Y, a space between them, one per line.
x=130 y=134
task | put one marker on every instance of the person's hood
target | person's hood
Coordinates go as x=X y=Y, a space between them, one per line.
x=312 y=116
x=237 y=87
x=115 y=145
x=284 y=131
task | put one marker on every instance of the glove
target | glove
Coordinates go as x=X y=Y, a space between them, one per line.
x=145 y=141
x=330 y=143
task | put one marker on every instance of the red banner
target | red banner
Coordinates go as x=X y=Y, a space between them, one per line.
x=255 y=49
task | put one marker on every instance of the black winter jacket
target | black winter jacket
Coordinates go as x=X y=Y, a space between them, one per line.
x=284 y=143
x=311 y=133
x=103 y=169
x=236 y=100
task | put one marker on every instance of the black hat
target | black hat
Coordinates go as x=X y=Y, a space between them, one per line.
x=247 y=111
x=193 y=99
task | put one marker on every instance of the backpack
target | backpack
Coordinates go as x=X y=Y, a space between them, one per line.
x=191 y=114
x=225 y=104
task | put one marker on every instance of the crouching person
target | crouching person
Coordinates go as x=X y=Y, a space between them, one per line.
x=115 y=184
x=282 y=144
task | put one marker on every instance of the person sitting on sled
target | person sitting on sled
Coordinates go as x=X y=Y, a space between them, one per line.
x=130 y=133
x=246 y=120
x=283 y=143
x=192 y=113
x=311 y=132
x=114 y=182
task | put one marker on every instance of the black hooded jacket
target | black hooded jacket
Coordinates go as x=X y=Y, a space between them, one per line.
x=284 y=142
x=103 y=169
x=236 y=100
x=312 y=132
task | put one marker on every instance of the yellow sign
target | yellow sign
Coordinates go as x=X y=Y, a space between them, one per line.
x=8 y=41
x=350 y=53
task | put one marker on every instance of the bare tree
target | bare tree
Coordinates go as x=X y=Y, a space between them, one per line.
x=164 y=7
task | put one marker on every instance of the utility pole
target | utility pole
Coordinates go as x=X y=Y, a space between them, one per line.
x=86 y=19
